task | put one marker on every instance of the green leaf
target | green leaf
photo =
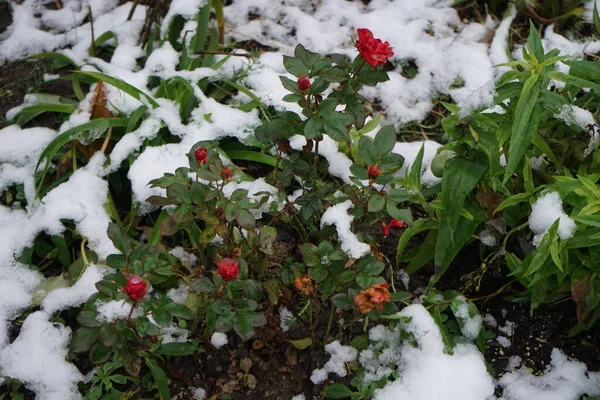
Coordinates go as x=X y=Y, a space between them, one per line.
x=368 y=150
x=69 y=135
x=338 y=391
x=295 y=66
x=29 y=113
x=83 y=339
x=243 y=327
x=301 y=344
x=314 y=128
x=180 y=311
x=525 y=124
x=88 y=319
x=543 y=250
x=310 y=254
x=342 y=301
x=512 y=201
x=446 y=249
x=376 y=203
x=100 y=354
x=177 y=349
x=420 y=225
x=535 y=43
x=119 y=238
x=591 y=220
x=160 y=377
x=271 y=286
x=336 y=130
x=459 y=179
x=122 y=85
x=385 y=140
x=335 y=75
x=162 y=317
x=107 y=287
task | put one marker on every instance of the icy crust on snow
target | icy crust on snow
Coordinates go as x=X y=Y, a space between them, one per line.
x=544 y=212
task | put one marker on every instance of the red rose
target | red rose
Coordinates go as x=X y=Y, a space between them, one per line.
x=386 y=230
x=135 y=288
x=200 y=155
x=226 y=173
x=228 y=269
x=374 y=51
x=303 y=83
x=373 y=171
x=395 y=223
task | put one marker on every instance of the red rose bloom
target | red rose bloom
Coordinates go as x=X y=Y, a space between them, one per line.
x=395 y=223
x=135 y=288
x=373 y=171
x=304 y=83
x=386 y=230
x=374 y=51
x=228 y=269
x=226 y=173
x=201 y=155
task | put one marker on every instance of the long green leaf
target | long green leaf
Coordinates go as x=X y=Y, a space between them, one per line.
x=459 y=179
x=121 y=85
x=73 y=134
x=525 y=123
x=418 y=226
x=29 y=113
x=249 y=155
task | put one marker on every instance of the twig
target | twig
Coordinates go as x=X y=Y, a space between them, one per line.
x=58 y=4
x=106 y=140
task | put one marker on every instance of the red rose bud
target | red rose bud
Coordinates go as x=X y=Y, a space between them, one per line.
x=228 y=269
x=395 y=223
x=385 y=229
x=201 y=155
x=226 y=173
x=372 y=50
x=304 y=83
x=135 y=288
x=373 y=171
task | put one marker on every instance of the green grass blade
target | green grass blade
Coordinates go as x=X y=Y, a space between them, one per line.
x=29 y=113
x=122 y=85
x=72 y=134
x=250 y=155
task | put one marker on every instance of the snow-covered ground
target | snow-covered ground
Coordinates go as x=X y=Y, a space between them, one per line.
x=426 y=32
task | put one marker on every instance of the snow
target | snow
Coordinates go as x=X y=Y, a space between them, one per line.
x=504 y=342
x=37 y=358
x=198 y=393
x=563 y=379
x=340 y=355
x=338 y=215
x=471 y=324
x=286 y=318
x=544 y=212
x=427 y=32
x=218 y=339
x=427 y=372
x=584 y=119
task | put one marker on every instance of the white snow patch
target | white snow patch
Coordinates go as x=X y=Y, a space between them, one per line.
x=218 y=339
x=338 y=215
x=544 y=212
x=340 y=355
x=563 y=379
